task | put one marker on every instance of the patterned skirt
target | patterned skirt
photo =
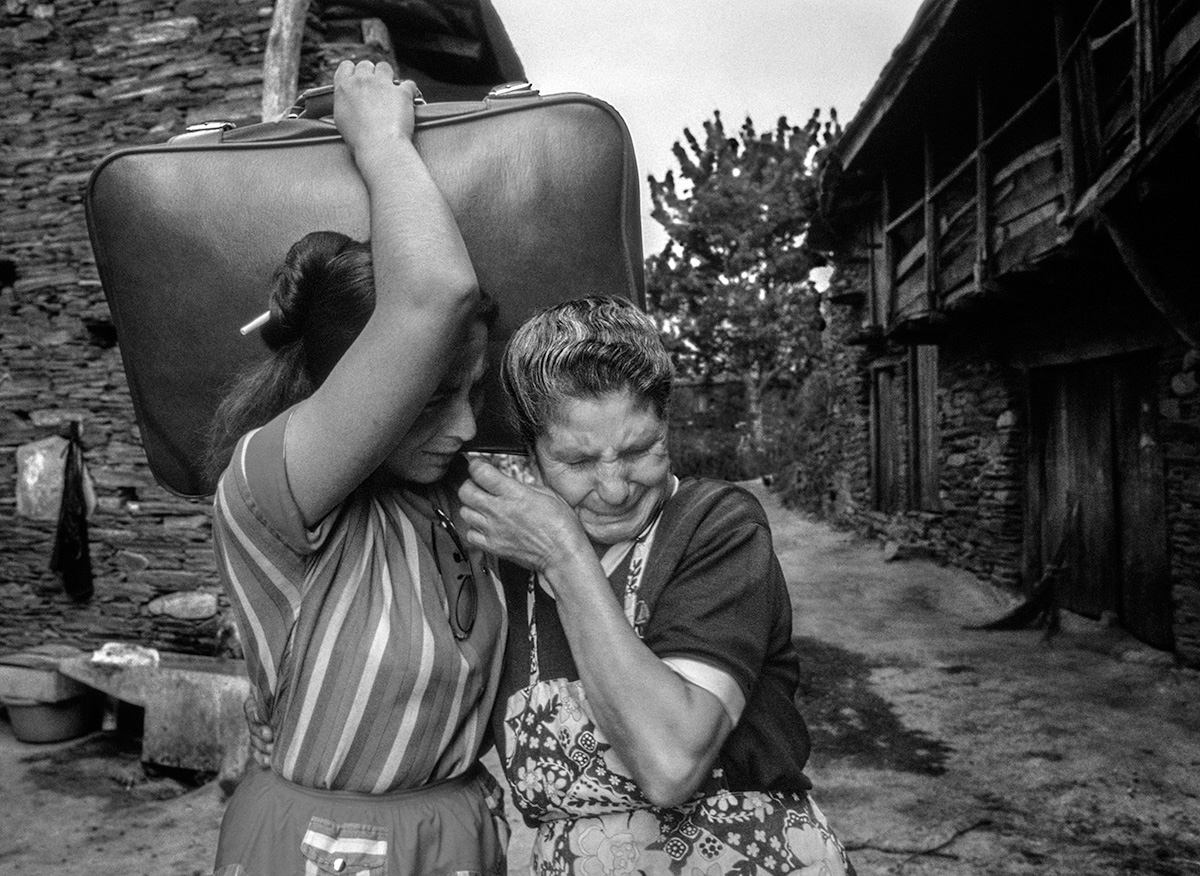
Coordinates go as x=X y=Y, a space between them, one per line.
x=594 y=820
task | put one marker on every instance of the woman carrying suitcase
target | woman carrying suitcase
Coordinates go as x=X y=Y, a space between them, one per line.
x=646 y=721
x=372 y=636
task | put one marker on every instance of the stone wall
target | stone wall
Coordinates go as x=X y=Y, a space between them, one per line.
x=78 y=79
x=1179 y=434
x=980 y=409
x=982 y=429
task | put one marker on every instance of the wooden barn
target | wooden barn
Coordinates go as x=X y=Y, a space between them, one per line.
x=78 y=80
x=1013 y=327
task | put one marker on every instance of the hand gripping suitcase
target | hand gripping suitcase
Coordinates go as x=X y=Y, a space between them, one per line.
x=186 y=235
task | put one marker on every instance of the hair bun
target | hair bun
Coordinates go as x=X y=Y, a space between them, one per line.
x=296 y=283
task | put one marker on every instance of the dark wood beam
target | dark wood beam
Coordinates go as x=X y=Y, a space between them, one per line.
x=931 y=236
x=1066 y=108
x=889 y=254
x=1141 y=46
x=1148 y=281
x=983 y=243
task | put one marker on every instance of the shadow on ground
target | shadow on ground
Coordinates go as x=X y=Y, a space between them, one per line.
x=107 y=766
x=849 y=721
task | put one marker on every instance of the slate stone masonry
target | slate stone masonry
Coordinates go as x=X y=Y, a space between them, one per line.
x=79 y=79
x=981 y=411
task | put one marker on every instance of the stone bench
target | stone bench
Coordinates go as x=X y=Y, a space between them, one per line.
x=193 y=708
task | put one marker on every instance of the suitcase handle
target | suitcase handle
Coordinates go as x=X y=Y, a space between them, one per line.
x=312 y=116
x=317 y=103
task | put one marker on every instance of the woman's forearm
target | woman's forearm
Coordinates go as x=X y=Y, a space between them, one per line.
x=421 y=262
x=666 y=730
x=425 y=291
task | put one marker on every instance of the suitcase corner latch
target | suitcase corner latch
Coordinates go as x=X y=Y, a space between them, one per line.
x=508 y=90
x=216 y=125
x=202 y=132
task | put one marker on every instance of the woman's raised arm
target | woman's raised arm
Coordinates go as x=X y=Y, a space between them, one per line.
x=425 y=293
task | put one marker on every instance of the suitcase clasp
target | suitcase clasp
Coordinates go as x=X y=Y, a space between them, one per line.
x=220 y=125
x=520 y=88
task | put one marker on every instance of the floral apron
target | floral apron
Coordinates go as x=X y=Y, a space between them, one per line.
x=594 y=820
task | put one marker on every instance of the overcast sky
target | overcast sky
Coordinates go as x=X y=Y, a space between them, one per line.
x=667 y=64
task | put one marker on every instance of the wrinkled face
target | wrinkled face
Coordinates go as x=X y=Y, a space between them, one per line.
x=607 y=458
x=448 y=419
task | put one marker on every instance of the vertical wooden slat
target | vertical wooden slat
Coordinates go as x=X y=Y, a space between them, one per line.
x=1057 y=494
x=1138 y=79
x=873 y=444
x=931 y=238
x=1066 y=102
x=983 y=247
x=923 y=467
x=1037 y=415
x=1072 y=416
x=914 y=429
x=887 y=442
x=886 y=434
x=1083 y=78
x=1087 y=419
x=889 y=254
x=1095 y=578
x=878 y=265
x=1145 y=601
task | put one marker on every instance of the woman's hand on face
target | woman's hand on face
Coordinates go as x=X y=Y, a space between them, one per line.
x=370 y=109
x=525 y=523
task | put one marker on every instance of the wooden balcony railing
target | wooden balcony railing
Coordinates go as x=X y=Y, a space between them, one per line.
x=1010 y=201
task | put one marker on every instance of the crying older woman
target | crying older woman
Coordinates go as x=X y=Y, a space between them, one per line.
x=646 y=711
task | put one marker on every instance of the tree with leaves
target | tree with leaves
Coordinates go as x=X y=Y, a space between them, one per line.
x=731 y=288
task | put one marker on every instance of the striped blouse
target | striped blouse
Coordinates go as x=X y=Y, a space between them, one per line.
x=346 y=629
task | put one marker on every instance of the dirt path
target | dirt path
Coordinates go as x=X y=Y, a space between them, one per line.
x=937 y=751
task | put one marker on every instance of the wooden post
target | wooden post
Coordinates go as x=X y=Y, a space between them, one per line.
x=281 y=59
x=1138 y=79
x=1066 y=115
x=874 y=255
x=931 y=235
x=983 y=181
x=889 y=255
x=376 y=33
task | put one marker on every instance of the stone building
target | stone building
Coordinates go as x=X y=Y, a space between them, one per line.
x=79 y=79
x=1012 y=333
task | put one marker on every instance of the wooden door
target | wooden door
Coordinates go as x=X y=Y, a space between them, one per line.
x=1096 y=498
x=885 y=439
x=1142 y=500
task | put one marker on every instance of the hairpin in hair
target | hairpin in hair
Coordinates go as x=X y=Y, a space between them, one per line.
x=258 y=322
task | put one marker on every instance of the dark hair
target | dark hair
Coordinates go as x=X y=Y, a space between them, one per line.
x=586 y=348
x=321 y=297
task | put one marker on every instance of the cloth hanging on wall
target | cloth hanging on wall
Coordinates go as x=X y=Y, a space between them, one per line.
x=72 y=558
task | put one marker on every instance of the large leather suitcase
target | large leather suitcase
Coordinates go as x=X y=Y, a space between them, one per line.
x=186 y=235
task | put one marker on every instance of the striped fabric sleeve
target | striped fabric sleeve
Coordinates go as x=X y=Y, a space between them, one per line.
x=262 y=548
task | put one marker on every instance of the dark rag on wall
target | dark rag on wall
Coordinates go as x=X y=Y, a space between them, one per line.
x=72 y=558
